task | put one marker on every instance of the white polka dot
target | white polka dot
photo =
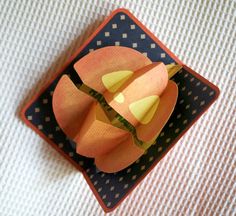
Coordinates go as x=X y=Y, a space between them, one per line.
x=95 y=183
x=117 y=43
x=183 y=88
x=189 y=93
x=104 y=196
x=186 y=75
x=124 y=35
x=134 y=177
x=87 y=170
x=211 y=93
x=109 y=204
x=143 y=167
x=112 y=188
x=37 y=109
x=188 y=106
x=195 y=98
x=179 y=116
x=194 y=112
x=45 y=101
x=122 y=17
x=162 y=134
x=178 y=83
x=99 y=190
x=198 y=83
x=137 y=161
x=29 y=117
x=185 y=121
x=177 y=130
x=152 y=45
x=47 y=119
x=107 y=181
x=117 y=195
x=171 y=124
x=142 y=36
x=159 y=149
x=107 y=34
x=114 y=25
x=134 y=45
x=103 y=174
x=121 y=179
x=132 y=26
x=99 y=43
x=181 y=101
x=202 y=103
x=168 y=140
x=50 y=136
x=126 y=186
x=151 y=158
x=51 y=93
x=91 y=50
x=71 y=154
x=192 y=79
x=163 y=55
x=60 y=145
x=204 y=88
x=145 y=54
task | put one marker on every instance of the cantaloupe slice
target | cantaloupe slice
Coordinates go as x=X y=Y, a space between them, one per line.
x=94 y=65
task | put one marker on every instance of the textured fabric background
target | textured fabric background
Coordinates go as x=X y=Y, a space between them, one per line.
x=198 y=176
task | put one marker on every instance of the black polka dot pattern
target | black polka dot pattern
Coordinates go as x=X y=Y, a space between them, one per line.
x=194 y=97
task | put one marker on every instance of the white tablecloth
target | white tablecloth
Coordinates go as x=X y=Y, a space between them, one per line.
x=197 y=177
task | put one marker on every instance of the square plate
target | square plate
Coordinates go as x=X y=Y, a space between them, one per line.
x=196 y=94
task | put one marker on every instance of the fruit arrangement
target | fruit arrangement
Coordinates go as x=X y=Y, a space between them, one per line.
x=121 y=107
